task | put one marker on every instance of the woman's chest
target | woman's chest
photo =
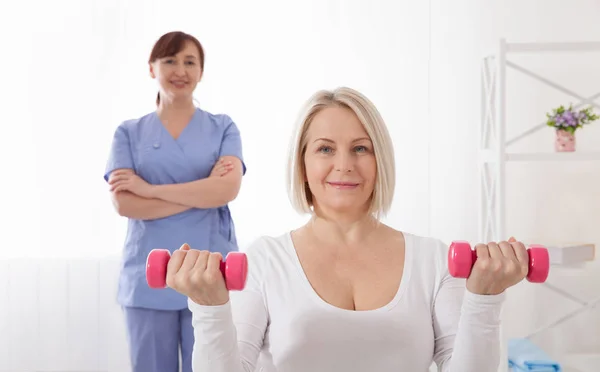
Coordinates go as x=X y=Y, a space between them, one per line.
x=354 y=282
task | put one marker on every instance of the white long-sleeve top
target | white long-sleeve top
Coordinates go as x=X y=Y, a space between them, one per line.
x=278 y=323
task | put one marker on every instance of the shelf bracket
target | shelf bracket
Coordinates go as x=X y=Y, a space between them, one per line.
x=487 y=136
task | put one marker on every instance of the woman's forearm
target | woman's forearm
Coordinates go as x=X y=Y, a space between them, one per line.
x=476 y=346
x=133 y=206
x=205 y=193
x=211 y=192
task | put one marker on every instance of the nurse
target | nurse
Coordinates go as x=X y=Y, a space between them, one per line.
x=172 y=173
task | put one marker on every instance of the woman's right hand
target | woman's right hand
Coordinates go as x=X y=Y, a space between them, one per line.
x=197 y=275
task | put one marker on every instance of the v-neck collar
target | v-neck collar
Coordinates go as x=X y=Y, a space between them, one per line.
x=186 y=128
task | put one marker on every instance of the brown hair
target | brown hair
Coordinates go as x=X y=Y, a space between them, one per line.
x=172 y=43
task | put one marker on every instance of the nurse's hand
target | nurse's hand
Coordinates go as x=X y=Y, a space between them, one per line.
x=126 y=180
x=197 y=275
x=221 y=168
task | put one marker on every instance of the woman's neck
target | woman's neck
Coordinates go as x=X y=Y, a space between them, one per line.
x=343 y=228
x=175 y=109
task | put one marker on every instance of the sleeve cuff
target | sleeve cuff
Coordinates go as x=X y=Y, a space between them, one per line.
x=478 y=299
x=219 y=311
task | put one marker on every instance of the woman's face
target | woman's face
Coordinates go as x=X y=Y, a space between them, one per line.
x=339 y=162
x=178 y=75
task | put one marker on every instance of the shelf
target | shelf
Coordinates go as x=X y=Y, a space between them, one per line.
x=571 y=254
x=554 y=156
x=584 y=46
x=488 y=156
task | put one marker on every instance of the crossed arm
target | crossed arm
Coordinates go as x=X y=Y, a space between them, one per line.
x=159 y=201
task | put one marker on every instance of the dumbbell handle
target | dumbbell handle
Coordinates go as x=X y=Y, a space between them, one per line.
x=234 y=269
x=460 y=262
x=532 y=258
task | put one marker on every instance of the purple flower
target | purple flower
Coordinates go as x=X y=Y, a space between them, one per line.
x=563 y=118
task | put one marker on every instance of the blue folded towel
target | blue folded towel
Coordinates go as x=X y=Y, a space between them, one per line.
x=523 y=355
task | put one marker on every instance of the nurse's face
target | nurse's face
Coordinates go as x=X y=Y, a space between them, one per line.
x=178 y=75
x=340 y=164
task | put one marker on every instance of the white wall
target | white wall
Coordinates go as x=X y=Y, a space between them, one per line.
x=83 y=69
x=59 y=315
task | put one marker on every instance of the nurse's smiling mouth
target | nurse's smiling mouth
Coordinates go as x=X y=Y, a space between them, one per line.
x=178 y=83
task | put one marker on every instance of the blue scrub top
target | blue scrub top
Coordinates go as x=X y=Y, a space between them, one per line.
x=145 y=146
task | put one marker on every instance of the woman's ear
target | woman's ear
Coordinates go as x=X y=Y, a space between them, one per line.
x=152 y=74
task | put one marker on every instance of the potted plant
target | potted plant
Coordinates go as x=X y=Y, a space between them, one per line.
x=566 y=121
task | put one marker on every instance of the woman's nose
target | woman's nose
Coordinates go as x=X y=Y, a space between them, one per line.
x=343 y=163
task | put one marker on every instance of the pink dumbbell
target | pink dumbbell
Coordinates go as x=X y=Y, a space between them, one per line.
x=461 y=259
x=234 y=269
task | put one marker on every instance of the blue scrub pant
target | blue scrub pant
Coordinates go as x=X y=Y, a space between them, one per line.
x=155 y=338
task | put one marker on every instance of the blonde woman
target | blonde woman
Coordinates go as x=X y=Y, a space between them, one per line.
x=345 y=292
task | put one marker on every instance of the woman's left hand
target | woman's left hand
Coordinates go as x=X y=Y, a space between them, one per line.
x=123 y=180
x=221 y=168
x=498 y=267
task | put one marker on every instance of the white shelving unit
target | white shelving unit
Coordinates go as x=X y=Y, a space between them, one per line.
x=494 y=147
x=495 y=154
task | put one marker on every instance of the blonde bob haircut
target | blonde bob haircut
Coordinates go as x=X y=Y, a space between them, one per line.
x=298 y=190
